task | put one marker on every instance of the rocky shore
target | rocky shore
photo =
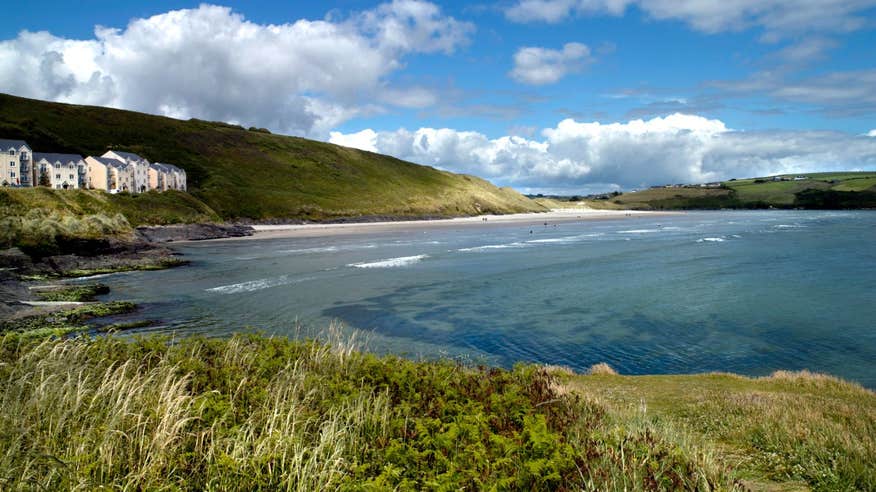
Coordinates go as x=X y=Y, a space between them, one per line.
x=192 y=232
x=22 y=274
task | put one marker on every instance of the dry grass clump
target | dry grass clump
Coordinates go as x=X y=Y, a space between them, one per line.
x=601 y=369
x=558 y=370
x=806 y=377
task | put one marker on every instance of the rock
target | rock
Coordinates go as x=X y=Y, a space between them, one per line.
x=192 y=232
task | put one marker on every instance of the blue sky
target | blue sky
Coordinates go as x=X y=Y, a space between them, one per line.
x=543 y=95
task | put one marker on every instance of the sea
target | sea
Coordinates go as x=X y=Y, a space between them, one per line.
x=748 y=292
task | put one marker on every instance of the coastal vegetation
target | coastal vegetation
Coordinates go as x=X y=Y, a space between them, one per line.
x=240 y=173
x=837 y=190
x=63 y=322
x=252 y=412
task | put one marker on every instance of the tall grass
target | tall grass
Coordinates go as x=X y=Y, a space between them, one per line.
x=39 y=230
x=257 y=413
x=802 y=428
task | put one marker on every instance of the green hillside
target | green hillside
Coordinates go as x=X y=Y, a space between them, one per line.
x=169 y=207
x=254 y=174
x=837 y=190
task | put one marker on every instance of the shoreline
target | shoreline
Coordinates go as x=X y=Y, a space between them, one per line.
x=352 y=228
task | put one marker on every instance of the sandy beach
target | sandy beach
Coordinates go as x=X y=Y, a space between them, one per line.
x=528 y=219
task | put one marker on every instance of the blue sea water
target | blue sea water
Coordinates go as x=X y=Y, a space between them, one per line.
x=746 y=292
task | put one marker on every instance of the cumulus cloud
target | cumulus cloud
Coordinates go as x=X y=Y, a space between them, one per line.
x=576 y=157
x=539 y=66
x=871 y=133
x=304 y=77
x=776 y=17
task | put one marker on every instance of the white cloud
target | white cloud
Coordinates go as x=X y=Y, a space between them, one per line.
x=538 y=66
x=776 y=17
x=871 y=133
x=575 y=156
x=304 y=77
x=837 y=93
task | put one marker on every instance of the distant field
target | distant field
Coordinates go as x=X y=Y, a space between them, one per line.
x=820 y=190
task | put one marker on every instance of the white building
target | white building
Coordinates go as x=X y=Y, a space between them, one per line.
x=16 y=166
x=139 y=169
x=164 y=176
x=62 y=171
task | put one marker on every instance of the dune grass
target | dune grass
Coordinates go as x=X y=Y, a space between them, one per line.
x=258 y=413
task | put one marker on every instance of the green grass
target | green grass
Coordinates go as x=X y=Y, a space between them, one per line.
x=258 y=413
x=821 y=190
x=669 y=199
x=795 y=429
x=63 y=322
x=169 y=207
x=240 y=173
x=73 y=293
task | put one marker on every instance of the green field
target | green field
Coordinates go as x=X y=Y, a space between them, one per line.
x=241 y=173
x=820 y=190
x=257 y=413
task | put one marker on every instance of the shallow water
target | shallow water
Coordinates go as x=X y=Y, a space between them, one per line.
x=746 y=292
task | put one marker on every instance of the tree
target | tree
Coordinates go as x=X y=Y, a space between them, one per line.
x=44 y=178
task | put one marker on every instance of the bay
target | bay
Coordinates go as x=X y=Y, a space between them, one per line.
x=745 y=292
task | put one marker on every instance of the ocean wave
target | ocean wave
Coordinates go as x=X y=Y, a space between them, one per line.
x=390 y=262
x=711 y=240
x=328 y=249
x=493 y=246
x=789 y=226
x=567 y=239
x=253 y=285
x=639 y=231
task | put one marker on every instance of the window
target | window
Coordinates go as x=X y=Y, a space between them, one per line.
x=12 y=174
x=11 y=163
x=12 y=152
x=57 y=176
x=71 y=176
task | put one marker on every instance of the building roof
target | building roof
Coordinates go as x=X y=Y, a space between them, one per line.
x=37 y=156
x=106 y=161
x=127 y=155
x=12 y=144
x=166 y=167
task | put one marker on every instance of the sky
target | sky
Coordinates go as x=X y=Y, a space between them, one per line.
x=546 y=96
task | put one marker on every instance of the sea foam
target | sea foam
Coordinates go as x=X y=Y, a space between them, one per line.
x=493 y=246
x=390 y=262
x=253 y=285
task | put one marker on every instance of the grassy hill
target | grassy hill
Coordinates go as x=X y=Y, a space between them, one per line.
x=170 y=207
x=254 y=174
x=852 y=190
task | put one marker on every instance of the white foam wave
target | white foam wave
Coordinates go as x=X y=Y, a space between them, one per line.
x=390 y=262
x=789 y=226
x=253 y=285
x=711 y=240
x=639 y=231
x=328 y=249
x=493 y=246
x=567 y=239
